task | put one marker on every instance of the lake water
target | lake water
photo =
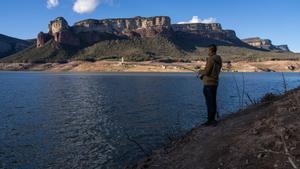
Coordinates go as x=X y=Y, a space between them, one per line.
x=83 y=120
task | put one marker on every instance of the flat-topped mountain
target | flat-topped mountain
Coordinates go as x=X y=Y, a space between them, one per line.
x=137 y=26
x=265 y=44
x=135 y=39
x=91 y=31
x=210 y=30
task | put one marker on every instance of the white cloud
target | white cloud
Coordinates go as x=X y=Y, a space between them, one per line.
x=209 y=20
x=85 y=6
x=52 y=3
x=196 y=19
x=88 y=6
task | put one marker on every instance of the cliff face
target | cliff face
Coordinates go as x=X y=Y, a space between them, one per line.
x=265 y=44
x=91 y=31
x=62 y=33
x=195 y=27
x=141 y=26
x=283 y=47
x=42 y=38
x=258 y=42
x=213 y=30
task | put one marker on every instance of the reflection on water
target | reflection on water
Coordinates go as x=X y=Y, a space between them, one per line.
x=80 y=120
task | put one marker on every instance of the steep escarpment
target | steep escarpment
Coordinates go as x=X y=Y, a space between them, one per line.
x=211 y=30
x=91 y=31
x=130 y=27
x=266 y=44
x=136 y=39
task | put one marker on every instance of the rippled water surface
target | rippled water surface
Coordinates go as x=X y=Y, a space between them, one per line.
x=50 y=120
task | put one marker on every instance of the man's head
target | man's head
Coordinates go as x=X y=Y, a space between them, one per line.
x=212 y=50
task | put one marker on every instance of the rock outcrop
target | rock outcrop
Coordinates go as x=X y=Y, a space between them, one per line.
x=283 y=48
x=265 y=44
x=211 y=30
x=91 y=30
x=58 y=25
x=62 y=33
x=198 y=27
x=88 y=32
x=137 y=26
x=42 y=38
x=259 y=43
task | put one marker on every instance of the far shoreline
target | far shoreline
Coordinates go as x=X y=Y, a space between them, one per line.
x=149 y=67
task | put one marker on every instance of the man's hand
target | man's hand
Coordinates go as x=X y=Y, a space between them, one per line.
x=199 y=76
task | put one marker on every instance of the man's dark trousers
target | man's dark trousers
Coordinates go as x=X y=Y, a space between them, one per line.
x=210 y=93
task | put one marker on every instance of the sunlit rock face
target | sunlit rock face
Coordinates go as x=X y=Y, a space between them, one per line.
x=201 y=27
x=265 y=44
x=42 y=38
x=257 y=42
x=284 y=47
x=92 y=30
x=207 y=30
x=58 y=25
x=137 y=26
x=62 y=33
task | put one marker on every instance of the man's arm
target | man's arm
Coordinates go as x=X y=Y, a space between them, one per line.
x=208 y=67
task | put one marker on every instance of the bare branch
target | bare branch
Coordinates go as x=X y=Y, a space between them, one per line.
x=136 y=143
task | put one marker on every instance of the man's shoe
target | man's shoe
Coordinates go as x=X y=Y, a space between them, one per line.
x=210 y=123
x=214 y=123
x=206 y=123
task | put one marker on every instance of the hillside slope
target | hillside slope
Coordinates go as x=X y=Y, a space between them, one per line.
x=10 y=45
x=51 y=52
x=143 y=49
x=137 y=39
x=263 y=136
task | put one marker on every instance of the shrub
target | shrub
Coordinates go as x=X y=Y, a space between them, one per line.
x=268 y=97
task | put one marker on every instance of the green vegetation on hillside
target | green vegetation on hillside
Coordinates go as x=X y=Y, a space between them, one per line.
x=233 y=53
x=10 y=45
x=143 y=49
x=133 y=50
x=51 y=52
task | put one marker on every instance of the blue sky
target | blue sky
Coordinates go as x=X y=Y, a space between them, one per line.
x=278 y=20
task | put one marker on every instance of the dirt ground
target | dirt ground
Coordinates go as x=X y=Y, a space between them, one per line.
x=115 y=66
x=263 y=136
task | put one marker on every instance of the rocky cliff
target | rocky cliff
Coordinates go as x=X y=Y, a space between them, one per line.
x=137 y=26
x=198 y=27
x=283 y=47
x=212 y=30
x=265 y=44
x=90 y=31
x=135 y=39
x=60 y=31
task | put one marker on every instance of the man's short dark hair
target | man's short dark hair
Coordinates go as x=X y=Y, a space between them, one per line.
x=213 y=47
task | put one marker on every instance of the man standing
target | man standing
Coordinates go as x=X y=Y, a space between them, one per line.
x=210 y=77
